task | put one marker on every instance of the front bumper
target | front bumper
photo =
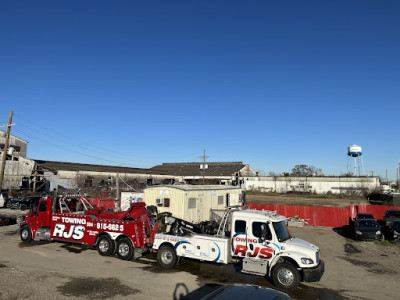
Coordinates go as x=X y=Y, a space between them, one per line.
x=369 y=236
x=314 y=274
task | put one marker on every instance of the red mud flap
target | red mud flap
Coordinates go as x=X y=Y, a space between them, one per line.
x=314 y=274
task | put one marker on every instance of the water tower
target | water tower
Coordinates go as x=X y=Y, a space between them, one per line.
x=355 y=152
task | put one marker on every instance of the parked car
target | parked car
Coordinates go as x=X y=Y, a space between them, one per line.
x=367 y=229
x=13 y=203
x=362 y=216
x=25 y=202
x=391 y=215
x=235 y=291
x=394 y=230
x=4 y=220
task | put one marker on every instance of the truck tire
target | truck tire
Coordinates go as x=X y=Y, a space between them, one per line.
x=105 y=245
x=26 y=234
x=23 y=207
x=286 y=276
x=167 y=257
x=124 y=249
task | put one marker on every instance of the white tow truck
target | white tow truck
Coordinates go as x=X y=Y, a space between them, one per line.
x=259 y=239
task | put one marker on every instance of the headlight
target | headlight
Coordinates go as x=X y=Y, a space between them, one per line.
x=307 y=261
x=358 y=232
x=378 y=232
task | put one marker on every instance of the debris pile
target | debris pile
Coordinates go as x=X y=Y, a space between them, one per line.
x=296 y=222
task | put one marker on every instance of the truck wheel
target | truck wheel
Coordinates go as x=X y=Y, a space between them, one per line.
x=286 y=276
x=167 y=257
x=124 y=249
x=26 y=234
x=105 y=246
x=23 y=207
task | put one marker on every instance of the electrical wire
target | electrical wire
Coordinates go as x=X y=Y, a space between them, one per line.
x=64 y=139
x=70 y=150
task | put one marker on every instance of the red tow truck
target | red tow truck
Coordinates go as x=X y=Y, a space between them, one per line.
x=129 y=233
x=259 y=239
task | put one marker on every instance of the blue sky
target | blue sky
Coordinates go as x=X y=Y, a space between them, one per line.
x=270 y=83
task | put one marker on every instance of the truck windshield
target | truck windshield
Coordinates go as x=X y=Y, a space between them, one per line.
x=281 y=231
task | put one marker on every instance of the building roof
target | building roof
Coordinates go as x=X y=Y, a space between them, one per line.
x=68 y=166
x=188 y=187
x=3 y=135
x=193 y=168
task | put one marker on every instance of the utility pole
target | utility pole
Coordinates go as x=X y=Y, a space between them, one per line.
x=117 y=189
x=3 y=161
x=204 y=166
x=398 y=172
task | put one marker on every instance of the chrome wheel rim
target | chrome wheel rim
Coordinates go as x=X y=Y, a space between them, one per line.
x=123 y=249
x=166 y=257
x=285 y=277
x=104 y=246
x=25 y=234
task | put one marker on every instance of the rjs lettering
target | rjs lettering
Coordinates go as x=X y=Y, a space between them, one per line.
x=75 y=231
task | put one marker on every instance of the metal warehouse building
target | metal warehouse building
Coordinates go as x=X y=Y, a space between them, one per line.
x=192 y=202
x=312 y=184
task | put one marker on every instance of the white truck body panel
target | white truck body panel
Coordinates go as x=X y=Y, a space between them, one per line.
x=198 y=246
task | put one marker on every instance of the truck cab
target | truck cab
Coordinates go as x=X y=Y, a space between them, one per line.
x=259 y=240
x=263 y=242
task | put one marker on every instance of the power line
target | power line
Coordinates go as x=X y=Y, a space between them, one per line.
x=71 y=150
x=67 y=139
x=64 y=139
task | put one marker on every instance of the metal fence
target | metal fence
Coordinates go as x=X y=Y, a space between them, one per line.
x=325 y=216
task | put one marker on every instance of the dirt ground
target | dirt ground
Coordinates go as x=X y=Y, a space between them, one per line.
x=314 y=200
x=53 y=270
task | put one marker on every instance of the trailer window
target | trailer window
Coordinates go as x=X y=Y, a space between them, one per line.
x=240 y=226
x=42 y=206
x=192 y=203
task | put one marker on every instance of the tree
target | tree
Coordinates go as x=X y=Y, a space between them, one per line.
x=305 y=170
x=275 y=177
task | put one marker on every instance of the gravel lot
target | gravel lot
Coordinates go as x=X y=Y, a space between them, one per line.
x=42 y=270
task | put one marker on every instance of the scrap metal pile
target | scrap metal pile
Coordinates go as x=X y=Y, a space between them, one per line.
x=180 y=227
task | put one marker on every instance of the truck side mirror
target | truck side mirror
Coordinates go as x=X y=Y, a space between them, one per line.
x=263 y=232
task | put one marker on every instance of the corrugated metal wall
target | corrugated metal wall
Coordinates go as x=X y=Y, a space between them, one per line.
x=377 y=210
x=325 y=216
